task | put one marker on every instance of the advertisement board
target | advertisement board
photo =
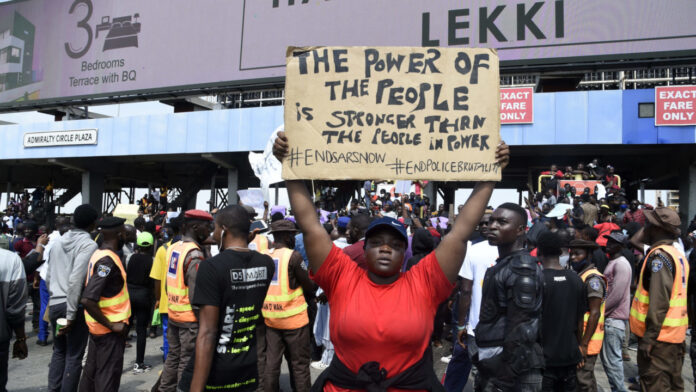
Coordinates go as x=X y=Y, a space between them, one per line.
x=675 y=105
x=60 y=51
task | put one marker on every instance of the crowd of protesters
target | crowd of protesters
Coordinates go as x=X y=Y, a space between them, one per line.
x=533 y=296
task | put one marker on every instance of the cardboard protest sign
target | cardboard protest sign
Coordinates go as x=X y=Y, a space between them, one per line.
x=392 y=113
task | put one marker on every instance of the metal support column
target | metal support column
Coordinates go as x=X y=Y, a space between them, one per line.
x=232 y=186
x=93 y=189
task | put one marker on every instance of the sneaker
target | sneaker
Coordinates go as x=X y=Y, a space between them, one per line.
x=42 y=343
x=446 y=359
x=141 y=368
x=319 y=365
x=437 y=343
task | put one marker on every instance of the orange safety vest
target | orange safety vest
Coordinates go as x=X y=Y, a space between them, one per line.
x=179 y=307
x=259 y=244
x=284 y=308
x=115 y=309
x=597 y=338
x=677 y=320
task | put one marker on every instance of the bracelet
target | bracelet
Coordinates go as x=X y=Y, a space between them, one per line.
x=24 y=339
x=461 y=327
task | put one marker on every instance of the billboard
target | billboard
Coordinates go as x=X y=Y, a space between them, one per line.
x=59 y=51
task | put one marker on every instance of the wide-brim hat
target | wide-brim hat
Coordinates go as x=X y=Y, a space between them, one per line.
x=665 y=218
x=283 y=226
x=583 y=244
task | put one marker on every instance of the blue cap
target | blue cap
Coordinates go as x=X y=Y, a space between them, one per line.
x=387 y=222
x=343 y=222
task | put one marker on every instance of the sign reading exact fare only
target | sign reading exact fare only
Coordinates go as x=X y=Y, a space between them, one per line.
x=675 y=105
x=517 y=105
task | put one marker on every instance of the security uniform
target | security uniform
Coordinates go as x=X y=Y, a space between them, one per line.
x=659 y=318
x=509 y=330
x=287 y=324
x=183 y=259
x=105 y=284
x=595 y=286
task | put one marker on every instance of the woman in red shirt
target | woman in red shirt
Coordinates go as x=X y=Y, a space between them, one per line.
x=382 y=319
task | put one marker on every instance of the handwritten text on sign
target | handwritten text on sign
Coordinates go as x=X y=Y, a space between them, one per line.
x=675 y=105
x=517 y=105
x=392 y=113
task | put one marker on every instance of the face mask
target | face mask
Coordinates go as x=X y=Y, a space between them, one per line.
x=579 y=266
x=564 y=259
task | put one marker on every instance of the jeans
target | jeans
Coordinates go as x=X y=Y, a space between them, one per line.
x=165 y=341
x=66 y=362
x=459 y=367
x=4 y=360
x=43 y=325
x=611 y=355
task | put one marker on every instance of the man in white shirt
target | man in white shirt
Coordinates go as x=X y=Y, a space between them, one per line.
x=478 y=259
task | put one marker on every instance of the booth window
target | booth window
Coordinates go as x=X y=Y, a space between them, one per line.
x=646 y=110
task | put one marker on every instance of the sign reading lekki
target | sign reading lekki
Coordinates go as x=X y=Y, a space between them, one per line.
x=62 y=51
x=392 y=113
x=675 y=105
x=60 y=138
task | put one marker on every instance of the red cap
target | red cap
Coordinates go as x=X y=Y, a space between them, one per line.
x=157 y=228
x=198 y=214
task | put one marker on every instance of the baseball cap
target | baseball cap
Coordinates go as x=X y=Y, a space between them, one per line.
x=387 y=222
x=145 y=239
x=343 y=222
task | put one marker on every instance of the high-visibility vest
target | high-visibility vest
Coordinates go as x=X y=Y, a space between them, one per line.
x=179 y=307
x=284 y=308
x=597 y=338
x=677 y=320
x=259 y=244
x=116 y=309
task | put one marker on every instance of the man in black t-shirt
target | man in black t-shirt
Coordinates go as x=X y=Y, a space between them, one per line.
x=562 y=317
x=231 y=288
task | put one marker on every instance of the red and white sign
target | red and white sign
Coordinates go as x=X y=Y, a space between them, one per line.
x=675 y=105
x=517 y=105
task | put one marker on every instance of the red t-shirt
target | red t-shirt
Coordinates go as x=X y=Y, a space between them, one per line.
x=390 y=324
x=605 y=229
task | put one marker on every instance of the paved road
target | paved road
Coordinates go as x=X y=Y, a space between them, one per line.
x=31 y=374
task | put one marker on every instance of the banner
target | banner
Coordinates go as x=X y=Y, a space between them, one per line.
x=675 y=105
x=517 y=105
x=65 y=51
x=392 y=113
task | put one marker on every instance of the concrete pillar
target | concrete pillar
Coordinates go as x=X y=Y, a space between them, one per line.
x=429 y=190
x=687 y=195
x=213 y=195
x=232 y=186
x=93 y=189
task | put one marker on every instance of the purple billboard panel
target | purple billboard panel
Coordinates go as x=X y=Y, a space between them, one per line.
x=61 y=51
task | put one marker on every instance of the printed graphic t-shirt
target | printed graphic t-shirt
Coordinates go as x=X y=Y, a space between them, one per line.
x=390 y=324
x=236 y=282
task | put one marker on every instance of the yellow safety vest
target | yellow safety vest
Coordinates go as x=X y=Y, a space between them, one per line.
x=179 y=308
x=284 y=308
x=115 y=309
x=259 y=244
x=597 y=338
x=677 y=320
